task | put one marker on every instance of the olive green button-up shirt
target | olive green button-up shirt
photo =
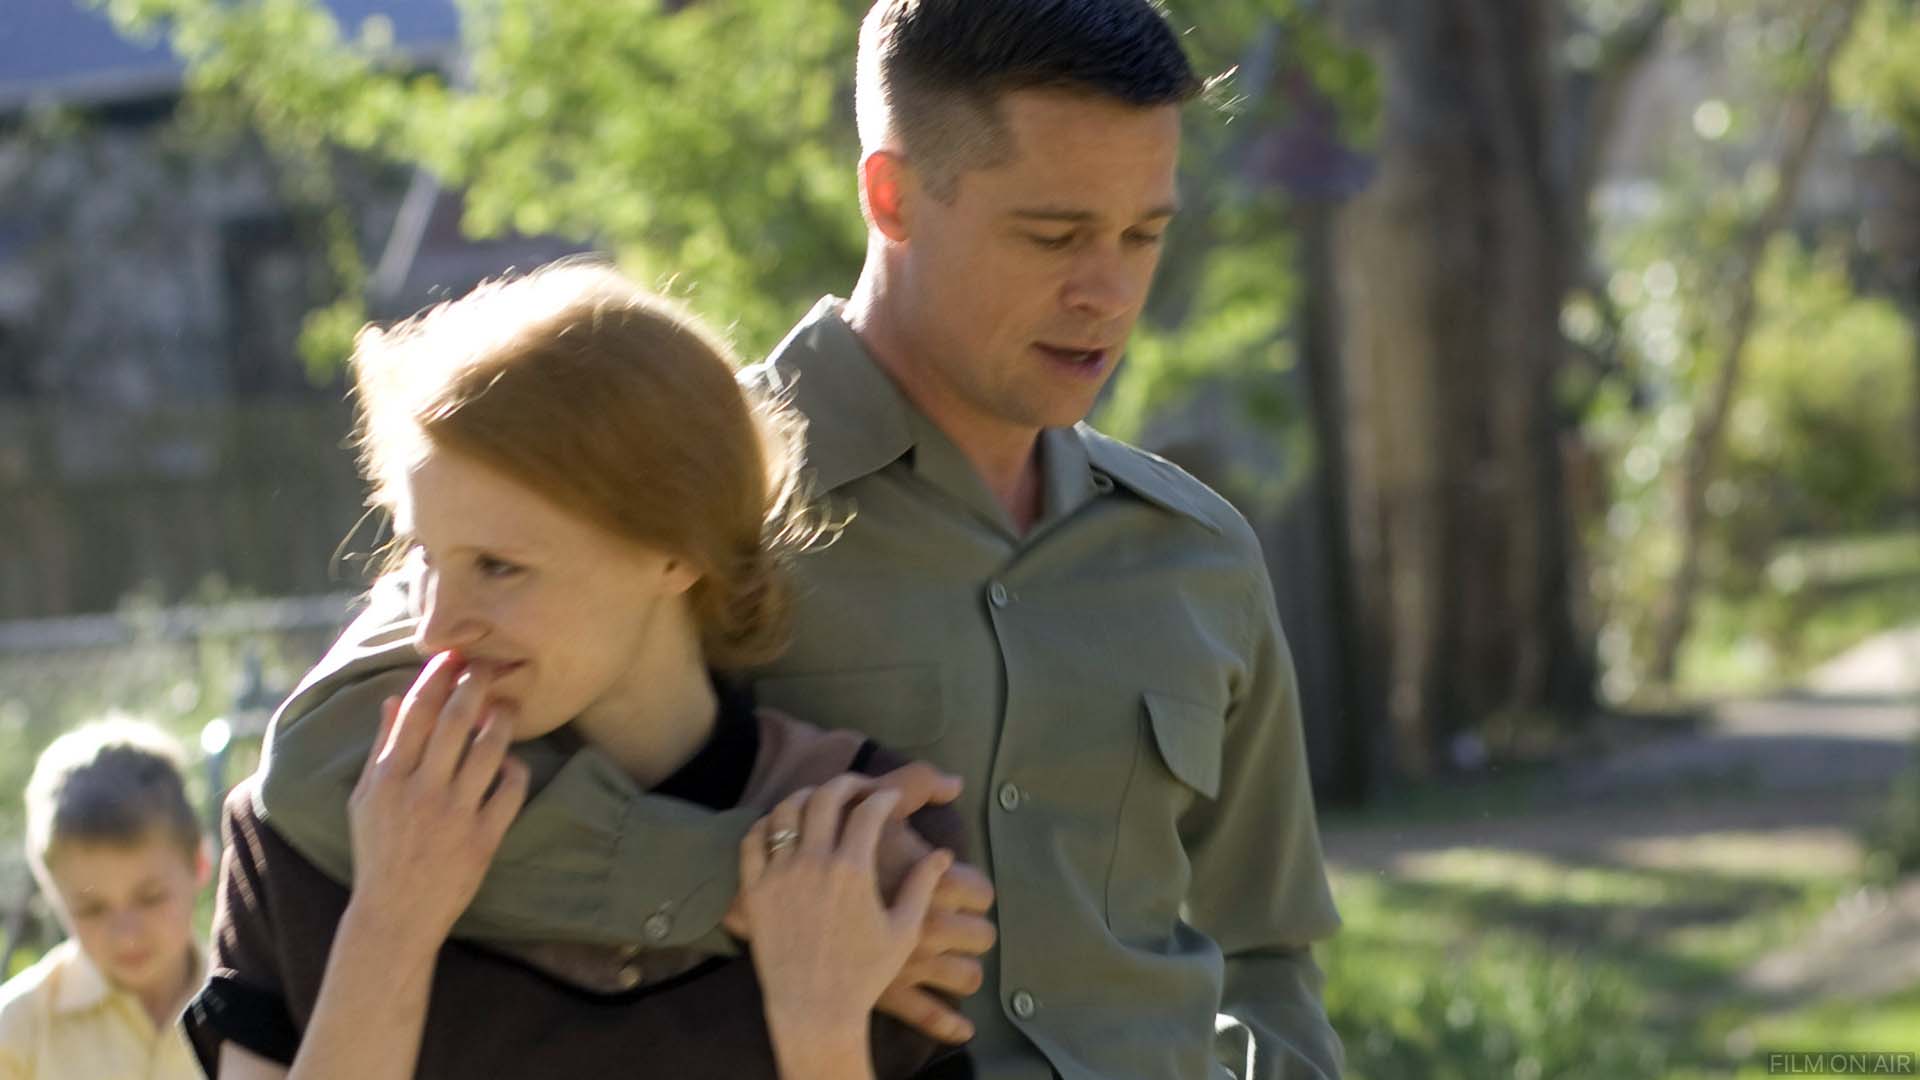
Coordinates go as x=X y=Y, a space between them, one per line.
x=1113 y=687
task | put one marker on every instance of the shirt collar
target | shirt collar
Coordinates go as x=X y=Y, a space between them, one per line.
x=82 y=986
x=857 y=419
x=858 y=422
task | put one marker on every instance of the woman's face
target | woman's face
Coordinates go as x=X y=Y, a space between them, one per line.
x=557 y=611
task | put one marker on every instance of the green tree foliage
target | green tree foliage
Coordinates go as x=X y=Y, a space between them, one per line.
x=1820 y=442
x=709 y=146
x=1824 y=443
x=1879 y=77
x=710 y=149
x=1819 y=438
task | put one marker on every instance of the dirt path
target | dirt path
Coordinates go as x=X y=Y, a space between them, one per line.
x=1799 y=772
x=1803 y=764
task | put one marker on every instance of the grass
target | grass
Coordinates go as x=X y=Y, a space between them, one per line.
x=1483 y=962
x=1890 y=1023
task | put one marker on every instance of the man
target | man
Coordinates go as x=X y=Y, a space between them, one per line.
x=1082 y=633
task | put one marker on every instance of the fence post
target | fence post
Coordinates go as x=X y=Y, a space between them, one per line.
x=253 y=706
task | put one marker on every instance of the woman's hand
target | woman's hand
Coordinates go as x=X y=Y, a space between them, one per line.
x=956 y=933
x=432 y=804
x=825 y=944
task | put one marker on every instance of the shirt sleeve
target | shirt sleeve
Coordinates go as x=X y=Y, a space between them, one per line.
x=591 y=858
x=1259 y=883
x=243 y=1000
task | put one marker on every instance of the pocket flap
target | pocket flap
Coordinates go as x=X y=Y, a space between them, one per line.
x=1189 y=736
x=900 y=707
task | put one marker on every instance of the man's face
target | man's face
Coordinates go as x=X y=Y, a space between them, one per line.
x=1022 y=288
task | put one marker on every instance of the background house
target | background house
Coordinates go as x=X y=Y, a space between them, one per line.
x=159 y=435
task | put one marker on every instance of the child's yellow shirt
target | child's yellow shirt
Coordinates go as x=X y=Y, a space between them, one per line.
x=62 y=1020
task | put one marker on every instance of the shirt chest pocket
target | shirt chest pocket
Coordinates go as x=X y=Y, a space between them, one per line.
x=1176 y=762
x=1188 y=736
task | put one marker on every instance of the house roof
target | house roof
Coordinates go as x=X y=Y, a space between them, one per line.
x=67 y=51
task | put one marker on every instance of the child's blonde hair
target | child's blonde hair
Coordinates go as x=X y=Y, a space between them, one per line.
x=114 y=782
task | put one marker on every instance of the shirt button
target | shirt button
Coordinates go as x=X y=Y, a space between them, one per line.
x=1009 y=797
x=1102 y=483
x=657 y=927
x=1023 y=1005
x=998 y=594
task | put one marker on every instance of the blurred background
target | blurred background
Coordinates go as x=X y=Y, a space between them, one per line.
x=1563 y=352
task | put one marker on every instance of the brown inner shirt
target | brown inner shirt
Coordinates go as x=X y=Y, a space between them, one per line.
x=529 y=1010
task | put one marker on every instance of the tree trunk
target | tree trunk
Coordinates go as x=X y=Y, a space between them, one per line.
x=1451 y=274
x=1830 y=26
x=1360 y=761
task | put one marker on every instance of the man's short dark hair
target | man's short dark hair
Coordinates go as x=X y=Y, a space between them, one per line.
x=932 y=71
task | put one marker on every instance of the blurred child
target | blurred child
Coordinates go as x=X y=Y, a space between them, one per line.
x=117 y=849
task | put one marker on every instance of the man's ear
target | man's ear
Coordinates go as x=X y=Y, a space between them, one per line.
x=203 y=865
x=886 y=181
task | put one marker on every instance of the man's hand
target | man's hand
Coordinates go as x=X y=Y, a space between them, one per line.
x=946 y=963
x=956 y=931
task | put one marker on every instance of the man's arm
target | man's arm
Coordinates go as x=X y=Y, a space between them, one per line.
x=1259 y=885
x=591 y=857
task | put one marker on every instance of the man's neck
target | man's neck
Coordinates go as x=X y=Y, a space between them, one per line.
x=1006 y=457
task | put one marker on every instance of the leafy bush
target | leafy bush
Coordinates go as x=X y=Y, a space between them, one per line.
x=1819 y=444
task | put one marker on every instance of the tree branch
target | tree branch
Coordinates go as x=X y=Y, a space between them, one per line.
x=1806 y=115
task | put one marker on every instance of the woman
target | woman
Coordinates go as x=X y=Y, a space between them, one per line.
x=598 y=518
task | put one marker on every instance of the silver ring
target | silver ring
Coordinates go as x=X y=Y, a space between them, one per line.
x=780 y=840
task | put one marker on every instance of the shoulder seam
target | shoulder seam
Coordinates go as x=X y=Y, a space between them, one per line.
x=1179 y=490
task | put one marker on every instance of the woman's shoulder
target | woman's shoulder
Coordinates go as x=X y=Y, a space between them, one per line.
x=795 y=754
x=243 y=827
x=264 y=878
